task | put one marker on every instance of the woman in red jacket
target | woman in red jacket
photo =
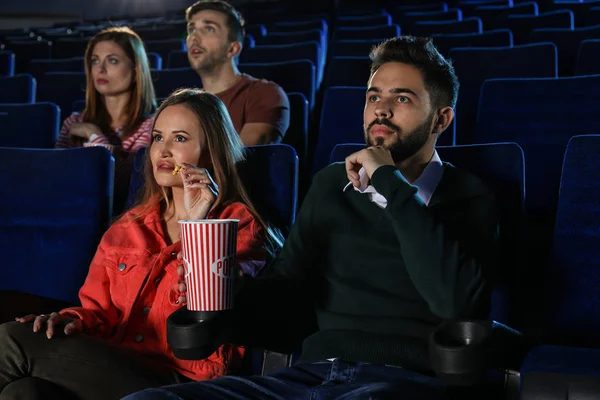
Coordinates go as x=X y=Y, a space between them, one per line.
x=115 y=343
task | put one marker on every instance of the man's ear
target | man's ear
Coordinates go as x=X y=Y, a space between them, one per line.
x=444 y=119
x=235 y=48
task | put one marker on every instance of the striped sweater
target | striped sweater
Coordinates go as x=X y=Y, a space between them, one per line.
x=140 y=138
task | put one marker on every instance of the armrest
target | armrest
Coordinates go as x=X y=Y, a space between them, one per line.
x=462 y=351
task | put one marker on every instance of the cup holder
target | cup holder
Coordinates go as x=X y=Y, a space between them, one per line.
x=193 y=335
x=462 y=351
x=456 y=335
x=457 y=351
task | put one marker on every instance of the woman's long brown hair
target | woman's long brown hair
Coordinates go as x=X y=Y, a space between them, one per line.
x=225 y=149
x=143 y=100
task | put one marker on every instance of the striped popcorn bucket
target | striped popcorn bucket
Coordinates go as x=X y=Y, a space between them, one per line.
x=208 y=248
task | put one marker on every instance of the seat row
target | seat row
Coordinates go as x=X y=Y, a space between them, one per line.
x=53 y=217
x=518 y=110
x=71 y=213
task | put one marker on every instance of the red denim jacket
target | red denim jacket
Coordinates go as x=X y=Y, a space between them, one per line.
x=131 y=288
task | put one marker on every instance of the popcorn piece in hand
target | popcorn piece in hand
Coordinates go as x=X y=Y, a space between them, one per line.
x=177 y=169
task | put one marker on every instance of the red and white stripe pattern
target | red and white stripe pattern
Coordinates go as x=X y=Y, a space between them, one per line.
x=142 y=137
x=209 y=257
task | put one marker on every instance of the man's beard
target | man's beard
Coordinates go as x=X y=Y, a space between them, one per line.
x=210 y=61
x=403 y=147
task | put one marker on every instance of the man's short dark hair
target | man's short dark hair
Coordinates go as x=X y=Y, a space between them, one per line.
x=438 y=73
x=235 y=22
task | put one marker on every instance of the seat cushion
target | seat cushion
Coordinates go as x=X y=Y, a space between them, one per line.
x=561 y=373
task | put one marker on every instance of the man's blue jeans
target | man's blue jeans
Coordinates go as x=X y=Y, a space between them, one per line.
x=311 y=381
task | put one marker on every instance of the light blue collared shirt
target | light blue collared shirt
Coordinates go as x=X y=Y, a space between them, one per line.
x=426 y=183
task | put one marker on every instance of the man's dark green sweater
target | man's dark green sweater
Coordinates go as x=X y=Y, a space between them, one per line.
x=380 y=280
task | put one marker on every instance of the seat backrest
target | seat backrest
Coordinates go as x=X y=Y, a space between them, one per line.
x=249 y=41
x=420 y=7
x=256 y=30
x=162 y=32
x=292 y=76
x=270 y=176
x=32 y=126
x=468 y=7
x=62 y=88
x=363 y=21
x=53 y=218
x=163 y=47
x=475 y=65
x=522 y=111
x=178 y=59
x=587 y=57
x=349 y=10
x=495 y=38
x=593 y=17
x=572 y=292
x=285 y=38
x=427 y=28
x=373 y=32
x=20 y=88
x=490 y=14
x=155 y=60
x=341 y=122
x=410 y=18
x=38 y=68
x=348 y=71
x=288 y=52
x=70 y=47
x=352 y=48
x=166 y=81
x=282 y=52
x=343 y=150
x=524 y=7
x=295 y=26
x=297 y=133
x=522 y=25
x=450 y=14
x=579 y=9
x=309 y=35
x=502 y=167
x=7 y=63
x=567 y=42
x=27 y=50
